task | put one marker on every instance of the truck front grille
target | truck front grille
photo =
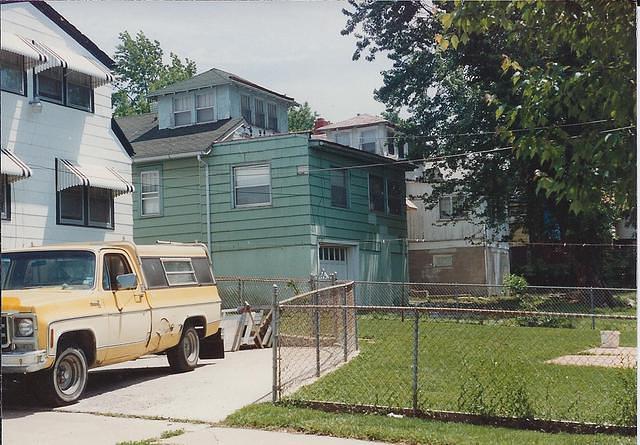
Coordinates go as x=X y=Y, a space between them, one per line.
x=5 y=332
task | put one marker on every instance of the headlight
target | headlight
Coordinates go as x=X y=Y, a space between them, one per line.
x=24 y=327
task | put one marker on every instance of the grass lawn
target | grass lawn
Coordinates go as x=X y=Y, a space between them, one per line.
x=491 y=368
x=405 y=430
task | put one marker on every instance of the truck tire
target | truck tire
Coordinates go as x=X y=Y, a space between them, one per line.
x=184 y=356
x=212 y=347
x=65 y=382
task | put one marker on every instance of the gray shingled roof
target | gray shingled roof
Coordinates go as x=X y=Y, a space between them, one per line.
x=148 y=140
x=212 y=78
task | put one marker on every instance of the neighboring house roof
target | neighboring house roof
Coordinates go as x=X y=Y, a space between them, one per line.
x=67 y=27
x=121 y=137
x=361 y=120
x=149 y=141
x=211 y=78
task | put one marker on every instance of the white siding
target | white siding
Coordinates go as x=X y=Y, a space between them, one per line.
x=55 y=132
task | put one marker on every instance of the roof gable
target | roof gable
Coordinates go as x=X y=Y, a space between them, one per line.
x=211 y=78
x=361 y=120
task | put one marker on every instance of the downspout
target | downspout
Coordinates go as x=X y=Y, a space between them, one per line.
x=208 y=197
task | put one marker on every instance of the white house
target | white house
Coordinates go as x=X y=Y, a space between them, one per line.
x=450 y=246
x=365 y=132
x=66 y=176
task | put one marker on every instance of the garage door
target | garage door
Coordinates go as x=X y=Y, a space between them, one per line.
x=334 y=259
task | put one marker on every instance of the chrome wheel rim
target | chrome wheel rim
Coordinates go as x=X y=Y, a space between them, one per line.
x=69 y=375
x=191 y=347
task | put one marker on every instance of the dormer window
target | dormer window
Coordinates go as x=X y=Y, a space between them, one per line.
x=182 y=110
x=368 y=141
x=245 y=108
x=260 y=117
x=204 y=108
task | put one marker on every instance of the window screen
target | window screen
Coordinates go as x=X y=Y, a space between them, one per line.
x=154 y=273
x=179 y=271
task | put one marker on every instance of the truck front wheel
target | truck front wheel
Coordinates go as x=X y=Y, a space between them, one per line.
x=184 y=356
x=65 y=382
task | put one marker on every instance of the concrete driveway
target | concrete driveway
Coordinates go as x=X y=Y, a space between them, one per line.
x=141 y=399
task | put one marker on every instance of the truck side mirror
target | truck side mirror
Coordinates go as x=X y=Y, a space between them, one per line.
x=127 y=281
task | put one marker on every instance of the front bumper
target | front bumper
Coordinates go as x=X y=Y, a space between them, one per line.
x=23 y=362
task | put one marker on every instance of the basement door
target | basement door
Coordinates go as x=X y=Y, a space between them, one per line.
x=334 y=259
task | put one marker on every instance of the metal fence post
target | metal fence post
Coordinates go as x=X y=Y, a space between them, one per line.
x=316 y=329
x=344 y=323
x=241 y=291
x=416 y=331
x=593 y=319
x=274 y=343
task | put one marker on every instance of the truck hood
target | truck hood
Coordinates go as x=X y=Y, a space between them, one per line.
x=28 y=300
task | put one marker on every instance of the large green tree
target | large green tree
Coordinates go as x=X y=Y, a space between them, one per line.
x=301 y=118
x=549 y=79
x=140 y=70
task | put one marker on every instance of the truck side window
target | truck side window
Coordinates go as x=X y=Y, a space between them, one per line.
x=154 y=273
x=114 y=264
x=203 y=270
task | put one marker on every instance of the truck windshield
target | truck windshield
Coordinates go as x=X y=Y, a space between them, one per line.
x=67 y=269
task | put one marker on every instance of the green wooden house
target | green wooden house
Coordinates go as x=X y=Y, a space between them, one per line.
x=281 y=205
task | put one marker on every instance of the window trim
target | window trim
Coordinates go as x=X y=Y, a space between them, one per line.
x=188 y=110
x=235 y=205
x=24 y=83
x=64 y=103
x=147 y=169
x=453 y=217
x=5 y=213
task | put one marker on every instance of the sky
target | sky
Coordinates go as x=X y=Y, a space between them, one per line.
x=291 y=47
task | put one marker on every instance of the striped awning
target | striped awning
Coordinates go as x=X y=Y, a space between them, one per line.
x=23 y=47
x=13 y=167
x=73 y=61
x=70 y=174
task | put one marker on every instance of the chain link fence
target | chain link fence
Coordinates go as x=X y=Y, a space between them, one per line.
x=556 y=354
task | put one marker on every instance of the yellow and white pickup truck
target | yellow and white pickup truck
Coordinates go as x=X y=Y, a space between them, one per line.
x=68 y=308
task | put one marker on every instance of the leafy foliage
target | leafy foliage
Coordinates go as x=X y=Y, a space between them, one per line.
x=302 y=118
x=526 y=76
x=140 y=70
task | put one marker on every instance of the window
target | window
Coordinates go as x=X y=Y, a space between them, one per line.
x=86 y=206
x=273 y=117
x=204 y=108
x=65 y=87
x=442 y=260
x=5 y=196
x=50 y=84
x=245 y=108
x=150 y=193
x=391 y=148
x=12 y=73
x=113 y=264
x=368 y=141
x=339 y=188
x=154 y=273
x=179 y=271
x=252 y=185
x=395 y=197
x=329 y=253
x=181 y=110
x=202 y=269
x=79 y=92
x=401 y=149
x=343 y=138
x=376 y=193
x=451 y=207
x=260 y=117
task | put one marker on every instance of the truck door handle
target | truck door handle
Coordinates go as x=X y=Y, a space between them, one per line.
x=95 y=303
x=138 y=297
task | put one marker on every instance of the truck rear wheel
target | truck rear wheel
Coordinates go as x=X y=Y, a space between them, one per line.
x=184 y=356
x=65 y=382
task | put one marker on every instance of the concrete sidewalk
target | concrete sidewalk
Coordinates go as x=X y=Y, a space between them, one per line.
x=235 y=436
